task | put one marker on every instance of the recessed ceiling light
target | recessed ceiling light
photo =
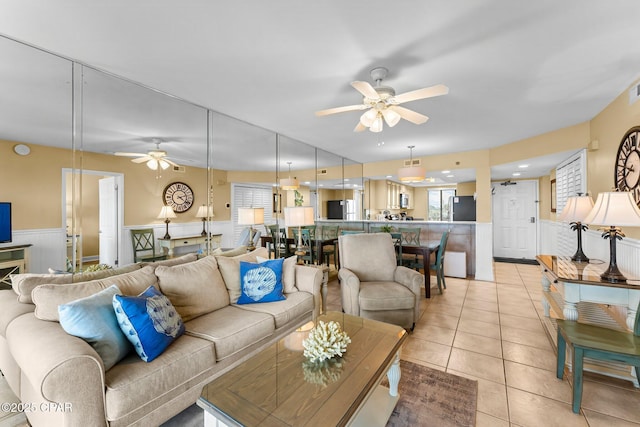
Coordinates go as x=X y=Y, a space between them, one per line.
x=516 y=174
x=389 y=176
x=450 y=176
x=346 y=179
x=523 y=166
x=446 y=171
x=307 y=182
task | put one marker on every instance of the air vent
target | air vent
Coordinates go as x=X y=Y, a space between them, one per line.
x=322 y=171
x=412 y=162
x=179 y=169
x=634 y=94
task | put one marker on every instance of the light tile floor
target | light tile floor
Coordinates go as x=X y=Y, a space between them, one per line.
x=491 y=332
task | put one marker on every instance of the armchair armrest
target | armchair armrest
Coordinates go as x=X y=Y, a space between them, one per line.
x=413 y=280
x=350 y=288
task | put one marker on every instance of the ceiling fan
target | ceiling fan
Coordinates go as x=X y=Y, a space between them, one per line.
x=155 y=159
x=383 y=105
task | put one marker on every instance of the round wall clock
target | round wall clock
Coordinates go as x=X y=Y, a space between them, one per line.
x=179 y=196
x=627 y=169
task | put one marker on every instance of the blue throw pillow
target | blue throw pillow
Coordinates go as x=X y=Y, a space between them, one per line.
x=149 y=321
x=92 y=319
x=261 y=282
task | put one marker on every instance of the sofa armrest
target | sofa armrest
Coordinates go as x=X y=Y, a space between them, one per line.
x=10 y=308
x=60 y=368
x=413 y=280
x=349 y=289
x=309 y=279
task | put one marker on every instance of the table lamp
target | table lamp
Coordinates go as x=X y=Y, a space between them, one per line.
x=166 y=213
x=614 y=209
x=204 y=213
x=574 y=212
x=251 y=217
x=298 y=216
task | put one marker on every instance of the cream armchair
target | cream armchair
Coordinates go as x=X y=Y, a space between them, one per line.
x=372 y=285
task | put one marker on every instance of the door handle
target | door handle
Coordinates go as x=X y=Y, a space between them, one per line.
x=532 y=220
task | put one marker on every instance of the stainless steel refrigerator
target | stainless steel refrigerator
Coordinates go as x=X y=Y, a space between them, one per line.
x=341 y=209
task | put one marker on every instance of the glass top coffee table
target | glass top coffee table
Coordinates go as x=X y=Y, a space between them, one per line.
x=279 y=387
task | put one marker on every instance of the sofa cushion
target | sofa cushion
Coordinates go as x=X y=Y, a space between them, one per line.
x=47 y=298
x=195 y=288
x=261 y=282
x=24 y=283
x=149 y=321
x=385 y=296
x=230 y=270
x=232 y=329
x=288 y=273
x=94 y=320
x=133 y=384
x=296 y=305
x=183 y=259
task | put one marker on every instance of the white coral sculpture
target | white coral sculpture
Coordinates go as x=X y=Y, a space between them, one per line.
x=325 y=341
x=322 y=373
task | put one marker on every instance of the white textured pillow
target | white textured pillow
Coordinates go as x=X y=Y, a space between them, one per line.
x=288 y=273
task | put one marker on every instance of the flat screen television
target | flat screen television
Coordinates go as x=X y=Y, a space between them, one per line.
x=5 y=222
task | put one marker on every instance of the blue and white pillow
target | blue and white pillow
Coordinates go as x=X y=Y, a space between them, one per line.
x=149 y=321
x=261 y=282
x=92 y=319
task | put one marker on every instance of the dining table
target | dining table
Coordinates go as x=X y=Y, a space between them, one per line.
x=425 y=249
x=317 y=245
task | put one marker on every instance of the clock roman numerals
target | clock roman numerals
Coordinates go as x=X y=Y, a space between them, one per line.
x=627 y=167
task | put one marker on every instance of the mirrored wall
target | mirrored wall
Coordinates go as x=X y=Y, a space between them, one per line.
x=104 y=152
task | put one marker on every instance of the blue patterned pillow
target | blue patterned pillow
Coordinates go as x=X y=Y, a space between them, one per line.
x=149 y=321
x=92 y=319
x=261 y=282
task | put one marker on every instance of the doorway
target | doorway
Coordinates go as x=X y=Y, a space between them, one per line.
x=515 y=219
x=96 y=235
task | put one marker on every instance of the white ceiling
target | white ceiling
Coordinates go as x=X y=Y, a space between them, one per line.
x=515 y=69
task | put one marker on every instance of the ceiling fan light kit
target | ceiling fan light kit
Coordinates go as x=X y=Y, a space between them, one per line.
x=412 y=173
x=383 y=105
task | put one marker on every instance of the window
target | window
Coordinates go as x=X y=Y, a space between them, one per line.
x=439 y=203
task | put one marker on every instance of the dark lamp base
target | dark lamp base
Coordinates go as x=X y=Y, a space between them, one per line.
x=579 y=257
x=613 y=275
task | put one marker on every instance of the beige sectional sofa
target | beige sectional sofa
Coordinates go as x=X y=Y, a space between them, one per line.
x=61 y=380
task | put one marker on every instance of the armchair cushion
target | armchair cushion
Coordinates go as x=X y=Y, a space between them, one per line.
x=376 y=296
x=371 y=256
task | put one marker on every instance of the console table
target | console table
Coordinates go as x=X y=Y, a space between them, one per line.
x=180 y=242
x=13 y=260
x=574 y=291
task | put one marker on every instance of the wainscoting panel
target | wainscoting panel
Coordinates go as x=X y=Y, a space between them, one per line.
x=48 y=250
x=484 y=251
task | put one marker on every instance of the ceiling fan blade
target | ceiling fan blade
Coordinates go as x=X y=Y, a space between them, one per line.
x=410 y=115
x=414 y=95
x=360 y=127
x=119 y=153
x=366 y=89
x=341 y=109
x=142 y=159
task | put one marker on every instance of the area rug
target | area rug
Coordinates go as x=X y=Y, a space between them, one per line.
x=428 y=397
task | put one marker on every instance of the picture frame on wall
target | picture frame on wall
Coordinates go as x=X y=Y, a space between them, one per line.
x=553 y=195
x=277 y=203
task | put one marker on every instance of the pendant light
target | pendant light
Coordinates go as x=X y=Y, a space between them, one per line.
x=411 y=173
x=289 y=183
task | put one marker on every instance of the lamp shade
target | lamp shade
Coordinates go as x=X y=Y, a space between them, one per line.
x=289 y=184
x=205 y=211
x=412 y=174
x=166 y=212
x=576 y=209
x=298 y=216
x=614 y=209
x=250 y=216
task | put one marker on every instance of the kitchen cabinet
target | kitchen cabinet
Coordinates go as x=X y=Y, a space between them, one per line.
x=386 y=194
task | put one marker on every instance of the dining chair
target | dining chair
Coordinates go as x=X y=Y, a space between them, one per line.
x=307 y=249
x=438 y=264
x=397 y=243
x=278 y=247
x=343 y=232
x=595 y=342
x=144 y=246
x=411 y=236
x=330 y=232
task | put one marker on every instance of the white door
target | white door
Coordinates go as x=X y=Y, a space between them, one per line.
x=515 y=217
x=108 y=195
